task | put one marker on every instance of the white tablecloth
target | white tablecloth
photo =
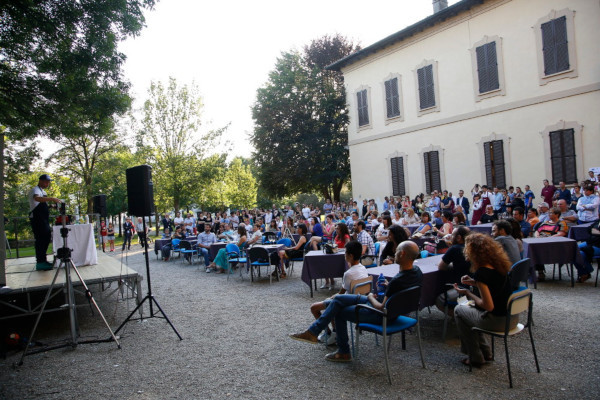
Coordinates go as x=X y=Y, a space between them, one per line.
x=80 y=241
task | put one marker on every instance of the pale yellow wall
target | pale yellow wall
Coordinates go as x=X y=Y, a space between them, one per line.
x=512 y=21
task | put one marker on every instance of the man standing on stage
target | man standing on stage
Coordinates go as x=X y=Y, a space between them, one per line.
x=39 y=216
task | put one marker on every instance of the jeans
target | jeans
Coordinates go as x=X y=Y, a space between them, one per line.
x=166 y=250
x=204 y=252
x=342 y=309
x=586 y=268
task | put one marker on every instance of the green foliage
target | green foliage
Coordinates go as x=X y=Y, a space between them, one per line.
x=60 y=66
x=173 y=144
x=301 y=122
x=240 y=185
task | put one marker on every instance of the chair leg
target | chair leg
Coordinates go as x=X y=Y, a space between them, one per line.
x=352 y=339
x=537 y=364
x=508 y=361
x=387 y=360
x=444 y=329
x=358 y=333
x=420 y=346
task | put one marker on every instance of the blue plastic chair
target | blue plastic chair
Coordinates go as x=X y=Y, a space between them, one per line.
x=394 y=320
x=185 y=248
x=259 y=257
x=234 y=257
x=175 y=246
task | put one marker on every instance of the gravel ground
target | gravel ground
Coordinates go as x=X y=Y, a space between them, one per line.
x=235 y=345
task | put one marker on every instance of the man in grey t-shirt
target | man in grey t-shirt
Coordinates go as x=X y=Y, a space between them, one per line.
x=501 y=231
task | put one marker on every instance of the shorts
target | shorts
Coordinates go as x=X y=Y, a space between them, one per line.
x=110 y=238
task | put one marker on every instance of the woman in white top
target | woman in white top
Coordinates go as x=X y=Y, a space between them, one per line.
x=410 y=217
x=397 y=218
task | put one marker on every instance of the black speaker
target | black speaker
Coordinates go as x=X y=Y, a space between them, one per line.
x=140 y=191
x=100 y=205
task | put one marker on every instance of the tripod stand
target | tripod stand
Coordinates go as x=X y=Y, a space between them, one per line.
x=64 y=253
x=288 y=234
x=149 y=296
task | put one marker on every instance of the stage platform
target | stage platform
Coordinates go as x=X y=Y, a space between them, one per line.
x=24 y=281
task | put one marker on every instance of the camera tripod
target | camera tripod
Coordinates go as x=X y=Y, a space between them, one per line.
x=64 y=254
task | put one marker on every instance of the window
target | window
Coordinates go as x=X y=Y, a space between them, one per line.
x=392 y=98
x=398 y=186
x=426 y=84
x=555 y=41
x=555 y=46
x=363 y=107
x=494 y=163
x=426 y=87
x=562 y=156
x=487 y=67
x=432 y=171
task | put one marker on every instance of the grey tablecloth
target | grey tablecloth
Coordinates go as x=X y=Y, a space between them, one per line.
x=551 y=250
x=433 y=282
x=580 y=232
x=319 y=265
x=482 y=228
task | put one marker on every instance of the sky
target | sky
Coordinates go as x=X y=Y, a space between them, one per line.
x=227 y=48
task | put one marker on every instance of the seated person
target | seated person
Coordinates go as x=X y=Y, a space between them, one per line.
x=318 y=233
x=425 y=224
x=519 y=215
x=552 y=227
x=447 y=228
x=532 y=217
x=166 y=248
x=221 y=261
x=342 y=235
x=567 y=215
x=296 y=251
x=364 y=238
x=589 y=249
x=410 y=218
x=502 y=233
x=166 y=234
x=489 y=215
x=356 y=271
x=544 y=215
x=256 y=237
x=458 y=219
x=205 y=239
x=455 y=266
x=436 y=221
x=342 y=307
x=383 y=229
x=227 y=234
x=516 y=233
x=397 y=235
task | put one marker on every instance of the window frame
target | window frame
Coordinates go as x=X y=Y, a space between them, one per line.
x=436 y=91
x=577 y=136
x=501 y=90
x=562 y=157
x=505 y=149
x=400 y=117
x=572 y=72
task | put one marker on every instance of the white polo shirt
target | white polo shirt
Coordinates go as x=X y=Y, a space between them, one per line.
x=357 y=271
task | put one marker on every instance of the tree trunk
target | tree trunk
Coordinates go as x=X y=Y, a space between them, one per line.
x=2 y=230
x=337 y=189
x=325 y=192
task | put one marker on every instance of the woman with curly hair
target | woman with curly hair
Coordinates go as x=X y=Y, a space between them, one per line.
x=490 y=266
x=396 y=236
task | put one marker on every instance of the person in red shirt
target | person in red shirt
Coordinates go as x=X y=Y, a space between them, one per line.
x=548 y=191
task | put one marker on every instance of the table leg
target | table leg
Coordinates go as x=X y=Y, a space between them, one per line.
x=572 y=277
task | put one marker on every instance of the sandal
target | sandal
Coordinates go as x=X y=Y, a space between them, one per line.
x=282 y=275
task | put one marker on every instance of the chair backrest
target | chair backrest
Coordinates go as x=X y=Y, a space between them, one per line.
x=258 y=254
x=232 y=248
x=519 y=302
x=185 y=245
x=377 y=247
x=519 y=273
x=361 y=286
x=403 y=302
x=175 y=243
x=287 y=242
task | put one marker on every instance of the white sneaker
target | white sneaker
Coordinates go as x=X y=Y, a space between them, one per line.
x=331 y=339
x=208 y=270
x=324 y=286
x=321 y=337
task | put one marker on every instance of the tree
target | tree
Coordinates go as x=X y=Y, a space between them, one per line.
x=240 y=185
x=301 y=122
x=60 y=69
x=171 y=124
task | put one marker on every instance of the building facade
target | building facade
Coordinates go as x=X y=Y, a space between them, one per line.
x=497 y=92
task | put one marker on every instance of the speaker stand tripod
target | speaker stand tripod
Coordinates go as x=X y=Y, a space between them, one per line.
x=66 y=262
x=149 y=296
